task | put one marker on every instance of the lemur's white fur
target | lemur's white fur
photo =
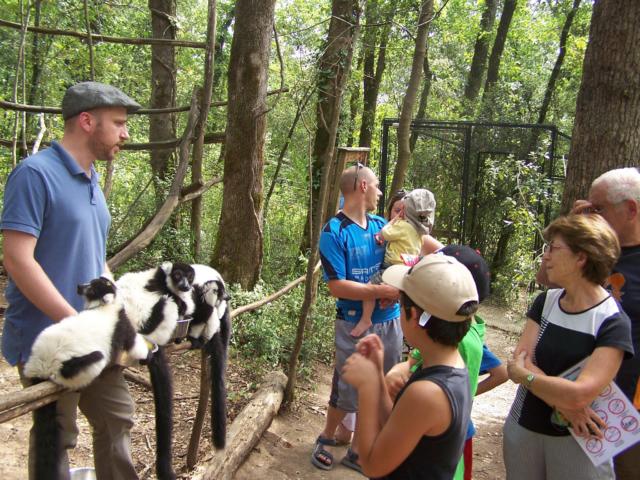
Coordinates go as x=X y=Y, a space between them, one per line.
x=76 y=336
x=206 y=278
x=139 y=302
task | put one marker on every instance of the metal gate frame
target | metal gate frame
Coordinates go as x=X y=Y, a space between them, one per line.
x=467 y=129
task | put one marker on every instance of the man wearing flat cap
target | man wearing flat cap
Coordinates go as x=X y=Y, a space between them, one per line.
x=423 y=433
x=55 y=223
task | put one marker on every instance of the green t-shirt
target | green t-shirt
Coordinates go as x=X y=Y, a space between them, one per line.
x=470 y=349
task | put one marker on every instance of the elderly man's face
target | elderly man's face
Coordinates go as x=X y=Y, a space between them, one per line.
x=613 y=213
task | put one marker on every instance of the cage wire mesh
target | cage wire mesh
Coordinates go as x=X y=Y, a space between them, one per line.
x=494 y=183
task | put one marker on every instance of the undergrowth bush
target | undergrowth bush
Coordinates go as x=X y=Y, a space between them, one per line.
x=266 y=336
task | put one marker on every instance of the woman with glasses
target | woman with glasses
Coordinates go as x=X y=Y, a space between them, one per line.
x=565 y=325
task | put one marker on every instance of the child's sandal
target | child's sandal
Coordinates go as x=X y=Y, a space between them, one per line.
x=320 y=457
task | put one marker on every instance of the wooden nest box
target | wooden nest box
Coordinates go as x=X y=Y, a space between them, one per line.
x=352 y=155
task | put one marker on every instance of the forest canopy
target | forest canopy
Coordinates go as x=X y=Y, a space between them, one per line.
x=521 y=81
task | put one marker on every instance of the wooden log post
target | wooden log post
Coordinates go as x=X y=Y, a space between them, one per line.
x=203 y=401
x=247 y=429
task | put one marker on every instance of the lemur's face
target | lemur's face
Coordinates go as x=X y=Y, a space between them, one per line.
x=182 y=276
x=213 y=292
x=99 y=291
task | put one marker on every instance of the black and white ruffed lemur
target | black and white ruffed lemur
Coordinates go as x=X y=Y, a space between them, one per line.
x=210 y=329
x=155 y=299
x=72 y=353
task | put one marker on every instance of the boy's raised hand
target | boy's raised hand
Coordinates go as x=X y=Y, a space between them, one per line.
x=371 y=348
x=359 y=370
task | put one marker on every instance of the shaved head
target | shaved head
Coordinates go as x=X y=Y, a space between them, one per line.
x=354 y=175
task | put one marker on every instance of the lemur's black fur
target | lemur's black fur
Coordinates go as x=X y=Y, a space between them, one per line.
x=182 y=278
x=161 y=380
x=217 y=348
x=46 y=431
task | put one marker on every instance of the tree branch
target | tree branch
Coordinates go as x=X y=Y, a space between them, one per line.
x=143 y=111
x=105 y=38
x=149 y=231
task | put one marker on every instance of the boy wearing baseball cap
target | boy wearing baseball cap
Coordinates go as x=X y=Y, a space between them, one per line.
x=422 y=434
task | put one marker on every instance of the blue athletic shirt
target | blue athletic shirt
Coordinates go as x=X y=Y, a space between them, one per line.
x=49 y=196
x=350 y=252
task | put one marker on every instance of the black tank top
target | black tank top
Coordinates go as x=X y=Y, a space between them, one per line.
x=436 y=458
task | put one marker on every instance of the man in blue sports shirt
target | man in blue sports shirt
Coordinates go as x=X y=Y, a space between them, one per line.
x=351 y=251
x=55 y=223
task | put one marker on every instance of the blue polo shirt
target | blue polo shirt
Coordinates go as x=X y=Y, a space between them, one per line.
x=350 y=252
x=49 y=196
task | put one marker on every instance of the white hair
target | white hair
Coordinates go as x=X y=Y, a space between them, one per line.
x=620 y=184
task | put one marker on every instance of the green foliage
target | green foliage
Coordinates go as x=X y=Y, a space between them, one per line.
x=511 y=194
x=266 y=336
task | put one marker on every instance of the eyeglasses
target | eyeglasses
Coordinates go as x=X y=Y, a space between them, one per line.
x=550 y=248
x=599 y=209
x=355 y=180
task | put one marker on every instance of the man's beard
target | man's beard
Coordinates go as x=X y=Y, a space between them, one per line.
x=100 y=149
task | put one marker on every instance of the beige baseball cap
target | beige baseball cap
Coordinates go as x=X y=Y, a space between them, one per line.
x=438 y=284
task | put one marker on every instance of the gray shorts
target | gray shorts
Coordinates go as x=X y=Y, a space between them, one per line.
x=344 y=396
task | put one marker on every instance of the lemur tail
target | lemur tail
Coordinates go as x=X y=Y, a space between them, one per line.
x=47 y=441
x=161 y=381
x=217 y=348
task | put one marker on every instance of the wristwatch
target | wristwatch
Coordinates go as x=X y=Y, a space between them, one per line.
x=528 y=380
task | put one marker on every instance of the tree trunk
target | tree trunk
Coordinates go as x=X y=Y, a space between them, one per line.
x=163 y=90
x=606 y=131
x=333 y=71
x=201 y=127
x=373 y=69
x=479 y=60
x=507 y=233
x=493 y=69
x=343 y=31
x=247 y=428
x=239 y=249
x=424 y=96
x=354 y=97
x=555 y=73
x=406 y=115
x=39 y=49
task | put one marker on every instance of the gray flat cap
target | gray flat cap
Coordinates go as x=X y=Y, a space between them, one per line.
x=86 y=96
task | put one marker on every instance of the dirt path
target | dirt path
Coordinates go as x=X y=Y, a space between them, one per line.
x=284 y=451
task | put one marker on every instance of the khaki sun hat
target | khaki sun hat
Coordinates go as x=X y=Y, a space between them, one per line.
x=420 y=209
x=438 y=284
